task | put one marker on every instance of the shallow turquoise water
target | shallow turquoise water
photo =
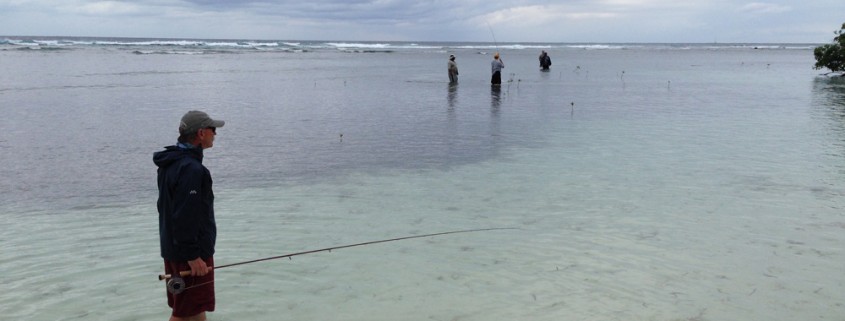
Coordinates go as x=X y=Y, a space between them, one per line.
x=646 y=183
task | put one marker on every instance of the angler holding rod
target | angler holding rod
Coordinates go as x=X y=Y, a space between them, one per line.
x=187 y=229
x=497 y=64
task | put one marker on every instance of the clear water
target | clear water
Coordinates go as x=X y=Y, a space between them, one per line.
x=645 y=182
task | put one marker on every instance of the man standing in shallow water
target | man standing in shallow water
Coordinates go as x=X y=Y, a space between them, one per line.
x=545 y=60
x=496 y=66
x=453 y=69
x=187 y=229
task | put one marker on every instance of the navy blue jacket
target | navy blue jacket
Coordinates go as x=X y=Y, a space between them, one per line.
x=185 y=205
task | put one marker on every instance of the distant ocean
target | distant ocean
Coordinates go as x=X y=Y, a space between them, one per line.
x=643 y=181
x=216 y=46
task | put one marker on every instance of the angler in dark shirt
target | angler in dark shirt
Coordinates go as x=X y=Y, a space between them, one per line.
x=545 y=60
x=187 y=229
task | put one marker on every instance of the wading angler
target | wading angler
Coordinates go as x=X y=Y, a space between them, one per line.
x=187 y=229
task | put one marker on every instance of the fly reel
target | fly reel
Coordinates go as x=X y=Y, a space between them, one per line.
x=176 y=285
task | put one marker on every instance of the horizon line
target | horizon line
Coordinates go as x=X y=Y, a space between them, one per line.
x=400 y=41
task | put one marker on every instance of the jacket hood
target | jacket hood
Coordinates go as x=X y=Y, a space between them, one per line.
x=171 y=154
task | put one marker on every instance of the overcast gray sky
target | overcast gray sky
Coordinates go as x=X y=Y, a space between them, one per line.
x=772 y=21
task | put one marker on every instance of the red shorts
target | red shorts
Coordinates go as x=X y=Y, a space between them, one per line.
x=198 y=296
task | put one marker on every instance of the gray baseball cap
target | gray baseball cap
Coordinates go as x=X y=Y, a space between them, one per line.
x=195 y=120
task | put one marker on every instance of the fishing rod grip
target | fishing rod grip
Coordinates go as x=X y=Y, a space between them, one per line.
x=162 y=277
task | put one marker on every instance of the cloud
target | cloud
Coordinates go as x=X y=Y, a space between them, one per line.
x=760 y=8
x=106 y=8
x=334 y=10
x=430 y=20
x=537 y=15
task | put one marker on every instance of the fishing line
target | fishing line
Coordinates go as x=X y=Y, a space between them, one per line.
x=175 y=283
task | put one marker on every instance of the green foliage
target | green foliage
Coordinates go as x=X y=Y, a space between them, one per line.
x=832 y=56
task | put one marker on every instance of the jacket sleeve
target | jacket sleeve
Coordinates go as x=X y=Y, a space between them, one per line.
x=189 y=210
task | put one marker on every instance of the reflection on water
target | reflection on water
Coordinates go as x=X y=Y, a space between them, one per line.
x=452 y=95
x=495 y=99
x=829 y=91
x=544 y=75
x=829 y=96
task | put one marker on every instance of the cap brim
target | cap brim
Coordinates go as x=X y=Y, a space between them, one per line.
x=217 y=123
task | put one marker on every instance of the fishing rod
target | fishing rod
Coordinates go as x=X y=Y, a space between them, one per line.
x=494 y=36
x=175 y=283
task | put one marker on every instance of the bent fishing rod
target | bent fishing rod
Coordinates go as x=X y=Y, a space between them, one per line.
x=494 y=36
x=329 y=249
